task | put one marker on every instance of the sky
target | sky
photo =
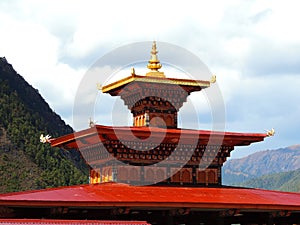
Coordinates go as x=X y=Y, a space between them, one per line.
x=253 y=47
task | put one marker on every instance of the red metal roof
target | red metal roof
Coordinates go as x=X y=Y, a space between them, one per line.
x=95 y=134
x=118 y=195
x=73 y=222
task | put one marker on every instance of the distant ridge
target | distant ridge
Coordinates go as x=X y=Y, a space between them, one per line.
x=261 y=163
x=25 y=163
x=284 y=181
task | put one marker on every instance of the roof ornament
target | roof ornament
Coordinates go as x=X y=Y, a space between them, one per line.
x=154 y=63
x=99 y=86
x=45 y=139
x=270 y=132
x=213 y=79
x=132 y=71
x=91 y=123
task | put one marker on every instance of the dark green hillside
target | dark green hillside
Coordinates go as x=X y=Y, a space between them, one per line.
x=25 y=163
x=285 y=181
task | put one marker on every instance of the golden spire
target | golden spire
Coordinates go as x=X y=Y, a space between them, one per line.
x=154 y=64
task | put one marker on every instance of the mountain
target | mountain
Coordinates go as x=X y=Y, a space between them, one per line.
x=284 y=181
x=261 y=163
x=25 y=162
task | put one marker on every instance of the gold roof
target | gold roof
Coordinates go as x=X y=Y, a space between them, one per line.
x=149 y=79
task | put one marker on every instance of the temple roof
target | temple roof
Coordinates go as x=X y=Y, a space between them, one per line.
x=70 y=222
x=123 y=195
x=139 y=79
x=94 y=134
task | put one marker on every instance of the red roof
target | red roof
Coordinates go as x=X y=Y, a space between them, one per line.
x=95 y=134
x=73 y=222
x=120 y=195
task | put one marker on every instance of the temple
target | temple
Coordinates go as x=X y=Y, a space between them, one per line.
x=173 y=155
x=154 y=171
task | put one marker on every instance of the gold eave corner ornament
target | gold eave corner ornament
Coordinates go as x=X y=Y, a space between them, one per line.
x=270 y=132
x=213 y=79
x=99 y=86
x=45 y=139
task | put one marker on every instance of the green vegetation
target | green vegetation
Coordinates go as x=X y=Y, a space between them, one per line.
x=25 y=163
x=285 y=181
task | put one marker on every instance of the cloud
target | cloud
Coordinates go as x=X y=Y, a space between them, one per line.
x=268 y=57
x=260 y=104
x=34 y=52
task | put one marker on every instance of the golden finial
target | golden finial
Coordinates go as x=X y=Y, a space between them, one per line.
x=154 y=64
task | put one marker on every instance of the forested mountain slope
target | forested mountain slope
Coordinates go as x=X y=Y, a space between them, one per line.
x=25 y=163
x=284 y=181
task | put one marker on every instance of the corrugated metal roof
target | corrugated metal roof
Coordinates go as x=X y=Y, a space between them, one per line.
x=118 y=195
x=72 y=222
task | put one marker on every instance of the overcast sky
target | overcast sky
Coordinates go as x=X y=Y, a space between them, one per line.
x=252 y=46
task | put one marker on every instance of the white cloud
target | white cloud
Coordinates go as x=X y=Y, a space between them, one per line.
x=34 y=51
x=30 y=47
x=281 y=22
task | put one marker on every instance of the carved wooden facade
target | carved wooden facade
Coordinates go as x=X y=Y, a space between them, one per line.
x=144 y=164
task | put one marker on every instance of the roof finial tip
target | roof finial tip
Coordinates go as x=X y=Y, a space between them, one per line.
x=154 y=50
x=154 y=63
